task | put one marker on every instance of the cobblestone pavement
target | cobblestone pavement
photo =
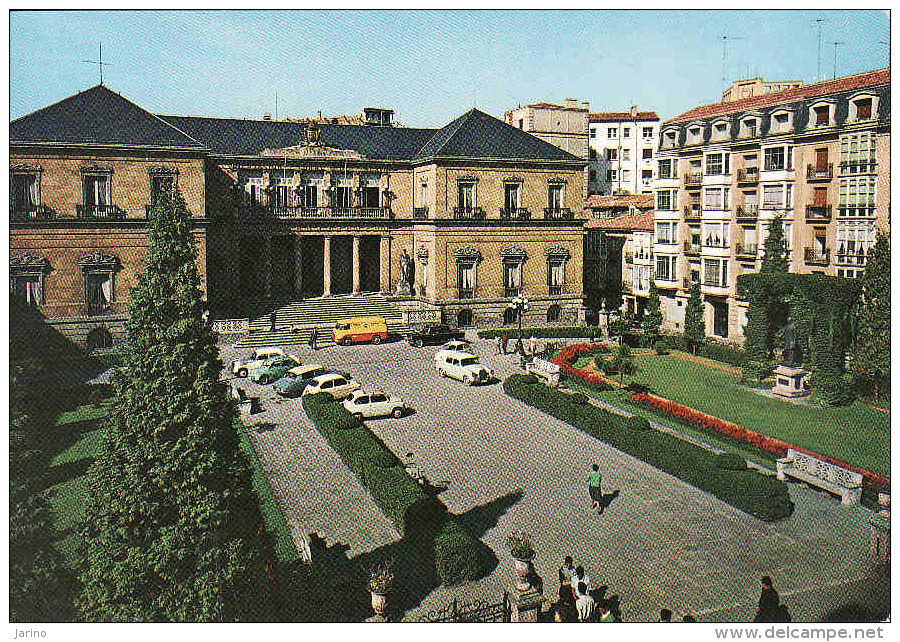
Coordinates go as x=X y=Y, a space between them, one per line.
x=659 y=544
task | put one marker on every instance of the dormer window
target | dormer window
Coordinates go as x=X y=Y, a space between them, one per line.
x=694 y=134
x=669 y=139
x=720 y=131
x=821 y=113
x=781 y=122
x=749 y=128
x=863 y=108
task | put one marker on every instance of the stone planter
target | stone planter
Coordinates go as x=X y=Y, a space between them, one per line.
x=523 y=572
x=379 y=606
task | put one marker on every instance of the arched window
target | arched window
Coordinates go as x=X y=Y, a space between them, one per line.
x=510 y=316
x=553 y=313
x=464 y=318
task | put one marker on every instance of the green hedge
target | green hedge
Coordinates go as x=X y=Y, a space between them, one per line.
x=418 y=516
x=541 y=332
x=759 y=495
x=726 y=354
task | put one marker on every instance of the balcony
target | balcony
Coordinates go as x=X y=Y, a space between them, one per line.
x=849 y=258
x=748 y=175
x=420 y=213
x=629 y=259
x=745 y=250
x=716 y=242
x=816 y=256
x=695 y=178
x=465 y=293
x=31 y=213
x=558 y=213
x=691 y=248
x=301 y=211
x=468 y=213
x=748 y=211
x=511 y=292
x=856 y=211
x=99 y=212
x=667 y=175
x=515 y=213
x=857 y=167
x=97 y=309
x=817 y=173
x=818 y=213
x=692 y=212
x=554 y=290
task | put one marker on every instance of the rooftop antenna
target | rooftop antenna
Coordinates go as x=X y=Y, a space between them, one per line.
x=725 y=40
x=99 y=62
x=819 y=22
x=276 y=105
x=834 y=71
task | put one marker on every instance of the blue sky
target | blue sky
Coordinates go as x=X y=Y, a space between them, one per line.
x=428 y=66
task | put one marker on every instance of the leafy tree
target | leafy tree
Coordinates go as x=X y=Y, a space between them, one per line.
x=172 y=534
x=623 y=362
x=775 y=254
x=694 y=323
x=653 y=319
x=871 y=355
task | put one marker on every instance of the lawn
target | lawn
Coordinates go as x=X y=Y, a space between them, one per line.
x=856 y=434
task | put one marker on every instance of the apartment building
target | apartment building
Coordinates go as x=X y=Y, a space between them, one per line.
x=622 y=152
x=565 y=126
x=816 y=155
x=756 y=87
x=476 y=211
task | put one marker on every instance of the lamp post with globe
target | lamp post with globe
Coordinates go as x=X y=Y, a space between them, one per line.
x=519 y=303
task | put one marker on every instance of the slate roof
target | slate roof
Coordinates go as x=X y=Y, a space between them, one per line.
x=847 y=83
x=476 y=134
x=97 y=116
x=618 y=116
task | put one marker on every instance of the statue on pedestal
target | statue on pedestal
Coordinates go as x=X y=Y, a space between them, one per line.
x=404 y=282
x=792 y=354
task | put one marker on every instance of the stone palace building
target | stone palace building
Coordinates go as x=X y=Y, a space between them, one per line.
x=474 y=213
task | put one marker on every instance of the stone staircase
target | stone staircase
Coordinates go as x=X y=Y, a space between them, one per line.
x=321 y=313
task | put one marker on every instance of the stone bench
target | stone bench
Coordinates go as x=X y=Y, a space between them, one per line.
x=246 y=404
x=546 y=371
x=821 y=474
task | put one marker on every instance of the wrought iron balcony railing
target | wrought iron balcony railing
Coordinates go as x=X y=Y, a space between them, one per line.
x=420 y=213
x=748 y=210
x=30 y=213
x=748 y=175
x=558 y=213
x=515 y=213
x=818 y=213
x=749 y=249
x=819 y=173
x=99 y=212
x=816 y=256
x=691 y=248
x=468 y=213
x=694 y=178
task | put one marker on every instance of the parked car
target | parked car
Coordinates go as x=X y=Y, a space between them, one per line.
x=433 y=335
x=336 y=385
x=461 y=365
x=460 y=345
x=363 y=404
x=359 y=330
x=255 y=359
x=294 y=380
x=273 y=369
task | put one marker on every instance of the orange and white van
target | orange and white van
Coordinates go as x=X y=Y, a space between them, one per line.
x=360 y=330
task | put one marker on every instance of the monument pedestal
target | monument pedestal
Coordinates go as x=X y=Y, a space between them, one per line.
x=790 y=381
x=525 y=604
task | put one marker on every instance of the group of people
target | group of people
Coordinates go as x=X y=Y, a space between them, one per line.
x=579 y=601
x=503 y=345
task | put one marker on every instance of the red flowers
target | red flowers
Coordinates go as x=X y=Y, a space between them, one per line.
x=740 y=433
x=570 y=354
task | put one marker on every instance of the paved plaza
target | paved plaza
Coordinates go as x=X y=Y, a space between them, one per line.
x=506 y=466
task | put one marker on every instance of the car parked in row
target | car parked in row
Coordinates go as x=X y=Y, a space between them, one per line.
x=433 y=335
x=242 y=367
x=273 y=369
x=338 y=386
x=362 y=404
x=295 y=380
x=463 y=366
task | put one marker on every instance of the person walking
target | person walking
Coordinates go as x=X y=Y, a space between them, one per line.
x=566 y=571
x=769 y=602
x=314 y=339
x=579 y=579
x=594 y=491
x=273 y=316
x=504 y=341
x=665 y=615
x=499 y=344
x=532 y=345
x=585 y=604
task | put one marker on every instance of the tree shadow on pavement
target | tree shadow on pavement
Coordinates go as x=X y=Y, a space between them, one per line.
x=344 y=582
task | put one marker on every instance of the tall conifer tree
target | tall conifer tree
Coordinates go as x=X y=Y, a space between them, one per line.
x=871 y=355
x=694 y=323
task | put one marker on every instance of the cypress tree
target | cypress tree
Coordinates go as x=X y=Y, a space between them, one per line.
x=694 y=323
x=653 y=319
x=871 y=355
x=775 y=254
x=172 y=533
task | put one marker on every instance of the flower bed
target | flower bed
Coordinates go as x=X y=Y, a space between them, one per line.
x=770 y=444
x=569 y=354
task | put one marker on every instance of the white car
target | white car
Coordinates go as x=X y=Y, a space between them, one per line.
x=459 y=345
x=241 y=368
x=336 y=385
x=461 y=365
x=363 y=404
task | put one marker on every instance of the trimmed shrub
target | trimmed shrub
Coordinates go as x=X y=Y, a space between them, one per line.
x=724 y=353
x=530 y=379
x=376 y=457
x=540 y=332
x=660 y=347
x=730 y=461
x=456 y=555
x=579 y=398
x=634 y=422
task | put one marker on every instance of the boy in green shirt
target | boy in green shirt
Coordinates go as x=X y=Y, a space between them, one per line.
x=594 y=489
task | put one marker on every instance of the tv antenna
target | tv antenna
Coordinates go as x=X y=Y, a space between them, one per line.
x=819 y=22
x=725 y=40
x=99 y=62
x=834 y=71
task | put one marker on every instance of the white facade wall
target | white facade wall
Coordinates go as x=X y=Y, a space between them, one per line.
x=630 y=171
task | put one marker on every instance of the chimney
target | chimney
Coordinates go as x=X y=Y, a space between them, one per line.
x=267 y=116
x=586 y=105
x=319 y=117
x=571 y=102
x=633 y=112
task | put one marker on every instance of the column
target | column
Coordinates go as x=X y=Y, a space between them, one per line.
x=326 y=269
x=385 y=257
x=298 y=266
x=267 y=243
x=355 y=254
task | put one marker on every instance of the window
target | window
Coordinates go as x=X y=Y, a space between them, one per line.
x=309 y=195
x=666 y=168
x=666 y=233
x=553 y=313
x=857 y=196
x=720 y=318
x=28 y=287
x=781 y=122
x=611 y=154
x=665 y=199
x=626 y=154
x=593 y=132
x=821 y=115
x=648 y=132
x=96 y=194
x=371 y=197
x=665 y=268
x=555 y=198
x=695 y=134
x=646 y=176
x=670 y=139
x=647 y=153
x=556 y=275
x=716 y=198
x=716 y=235
x=863 y=108
x=511 y=196
x=717 y=164
x=611 y=175
x=720 y=131
x=715 y=273
x=521 y=124
x=162 y=183
x=24 y=194
x=773 y=196
x=466 y=195
x=612 y=132
x=512 y=278
x=857 y=153
x=854 y=240
x=592 y=154
x=749 y=128
x=773 y=158
x=592 y=175
x=465 y=279
x=626 y=132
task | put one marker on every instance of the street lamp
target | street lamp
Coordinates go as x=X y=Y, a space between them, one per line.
x=520 y=305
